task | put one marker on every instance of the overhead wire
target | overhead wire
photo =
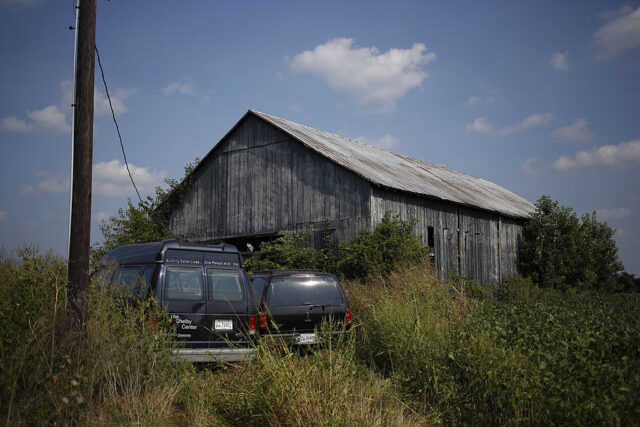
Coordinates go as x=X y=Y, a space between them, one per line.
x=113 y=114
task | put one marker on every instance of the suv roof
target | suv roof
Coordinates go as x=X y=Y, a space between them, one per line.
x=143 y=253
x=291 y=272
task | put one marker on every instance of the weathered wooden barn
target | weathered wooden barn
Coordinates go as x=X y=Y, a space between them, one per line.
x=268 y=175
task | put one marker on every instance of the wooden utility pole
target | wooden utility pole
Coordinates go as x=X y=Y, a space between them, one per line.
x=80 y=222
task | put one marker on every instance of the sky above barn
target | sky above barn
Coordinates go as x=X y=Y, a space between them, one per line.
x=540 y=97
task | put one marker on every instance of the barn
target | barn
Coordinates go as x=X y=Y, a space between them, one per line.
x=268 y=175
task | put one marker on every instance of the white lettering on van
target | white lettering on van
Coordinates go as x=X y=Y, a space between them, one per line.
x=184 y=323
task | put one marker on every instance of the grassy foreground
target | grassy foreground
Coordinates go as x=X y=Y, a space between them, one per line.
x=424 y=352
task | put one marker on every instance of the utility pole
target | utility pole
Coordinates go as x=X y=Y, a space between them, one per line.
x=82 y=155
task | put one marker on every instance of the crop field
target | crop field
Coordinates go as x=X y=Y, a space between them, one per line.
x=424 y=352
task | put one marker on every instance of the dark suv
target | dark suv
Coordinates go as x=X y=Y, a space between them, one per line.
x=293 y=304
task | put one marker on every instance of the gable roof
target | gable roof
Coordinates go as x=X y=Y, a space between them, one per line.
x=394 y=171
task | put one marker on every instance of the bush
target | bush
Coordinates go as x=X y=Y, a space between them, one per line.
x=562 y=252
x=378 y=251
x=369 y=253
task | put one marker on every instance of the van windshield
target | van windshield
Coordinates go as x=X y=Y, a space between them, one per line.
x=288 y=291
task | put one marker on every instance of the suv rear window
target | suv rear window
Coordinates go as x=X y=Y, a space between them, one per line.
x=225 y=285
x=315 y=290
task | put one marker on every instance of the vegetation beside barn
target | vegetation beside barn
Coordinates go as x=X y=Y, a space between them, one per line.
x=425 y=351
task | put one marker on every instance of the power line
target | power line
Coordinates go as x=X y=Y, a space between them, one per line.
x=106 y=89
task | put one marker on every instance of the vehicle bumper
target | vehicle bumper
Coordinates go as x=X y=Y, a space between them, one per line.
x=240 y=354
x=293 y=338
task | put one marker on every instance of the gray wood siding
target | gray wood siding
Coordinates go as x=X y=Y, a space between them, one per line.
x=468 y=242
x=511 y=238
x=259 y=181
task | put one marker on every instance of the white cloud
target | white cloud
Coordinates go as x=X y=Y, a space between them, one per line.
x=101 y=102
x=375 y=79
x=559 y=61
x=621 y=33
x=479 y=125
x=618 y=213
x=533 y=121
x=184 y=88
x=607 y=155
x=101 y=216
x=49 y=120
x=577 y=131
x=48 y=184
x=52 y=120
x=386 y=141
x=471 y=101
x=529 y=168
x=110 y=179
x=3 y=215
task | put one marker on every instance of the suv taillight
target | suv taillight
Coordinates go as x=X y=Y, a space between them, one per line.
x=252 y=325
x=262 y=320
x=347 y=317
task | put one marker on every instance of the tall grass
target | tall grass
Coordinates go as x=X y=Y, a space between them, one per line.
x=422 y=352
x=413 y=332
x=121 y=372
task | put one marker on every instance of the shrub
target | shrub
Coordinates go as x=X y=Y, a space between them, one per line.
x=287 y=252
x=560 y=251
x=369 y=253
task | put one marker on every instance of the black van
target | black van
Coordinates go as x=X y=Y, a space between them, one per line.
x=204 y=287
x=293 y=304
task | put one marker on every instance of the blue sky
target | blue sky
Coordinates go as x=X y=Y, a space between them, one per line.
x=540 y=97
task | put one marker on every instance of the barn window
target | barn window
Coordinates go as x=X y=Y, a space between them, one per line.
x=430 y=241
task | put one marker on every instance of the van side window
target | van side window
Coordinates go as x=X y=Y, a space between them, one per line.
x=225 y=285
x=130 y=279
x=184 y=284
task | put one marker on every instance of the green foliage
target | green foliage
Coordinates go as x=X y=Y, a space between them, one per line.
x=561 y=251
x=628 y=282
x=370 y=252
x=518 y=288
x=541 y=358
x=379 y=250
x=423 y=352
x=145 y=221
x=583 y=352
x=288 y=251
x=122 y=369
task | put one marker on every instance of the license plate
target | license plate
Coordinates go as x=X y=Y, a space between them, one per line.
x=306 y=339
x=223 y=325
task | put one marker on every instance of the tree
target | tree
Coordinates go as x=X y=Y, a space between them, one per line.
x=145 y=221
x=561 y=251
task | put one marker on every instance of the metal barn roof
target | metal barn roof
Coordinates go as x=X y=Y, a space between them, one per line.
x=403 y=173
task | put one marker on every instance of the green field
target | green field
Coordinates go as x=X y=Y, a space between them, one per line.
x=424 y=352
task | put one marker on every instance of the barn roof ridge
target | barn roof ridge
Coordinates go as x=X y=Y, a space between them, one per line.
x=395 y=171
